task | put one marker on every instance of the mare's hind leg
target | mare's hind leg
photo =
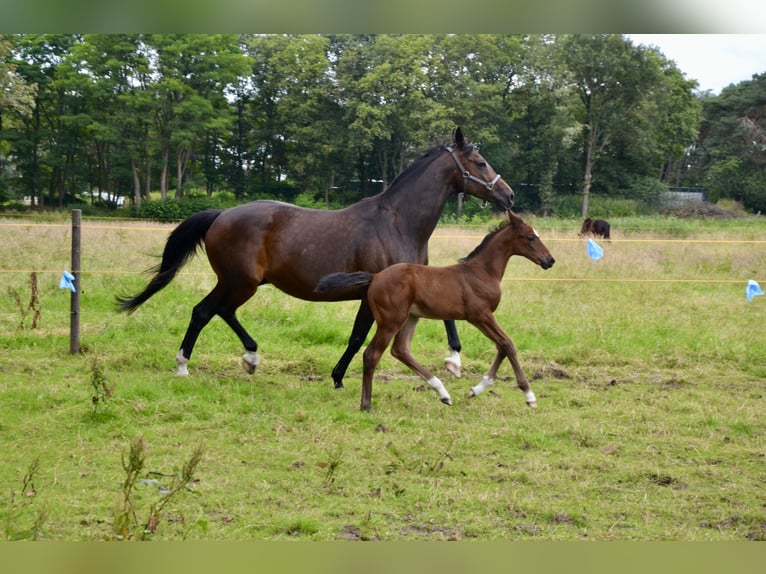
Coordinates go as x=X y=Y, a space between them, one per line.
x=200 y=317
x=505 y=348
x=453 y=363
x=250 y=359
x=362 y=324
x=401 y=350
x=217 y=302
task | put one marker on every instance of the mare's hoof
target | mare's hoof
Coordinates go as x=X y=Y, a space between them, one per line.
x=339 y=386
x=453 y=368
x=447 y=402
x=249 y=363
x=533 y=404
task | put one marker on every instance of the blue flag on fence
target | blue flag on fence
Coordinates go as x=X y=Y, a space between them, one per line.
x=67 y=281
x=752 y=289
x=595 y=251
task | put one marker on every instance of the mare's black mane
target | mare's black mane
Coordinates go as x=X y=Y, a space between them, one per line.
x=419 y=165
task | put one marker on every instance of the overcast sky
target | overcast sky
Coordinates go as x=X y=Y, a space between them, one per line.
x=714 y=60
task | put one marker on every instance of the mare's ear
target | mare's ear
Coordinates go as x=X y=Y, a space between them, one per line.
x=457 y=136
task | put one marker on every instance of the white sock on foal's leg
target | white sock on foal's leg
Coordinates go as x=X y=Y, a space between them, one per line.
x=483 y=385
x=438 y=386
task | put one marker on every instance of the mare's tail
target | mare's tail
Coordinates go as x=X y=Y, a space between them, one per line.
x=180 y=247
x=335 y=281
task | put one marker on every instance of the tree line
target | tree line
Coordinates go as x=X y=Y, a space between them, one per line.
x=329 y=119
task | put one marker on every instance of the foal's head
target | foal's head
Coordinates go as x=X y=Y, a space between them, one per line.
x=527 y=242
x=517 y=238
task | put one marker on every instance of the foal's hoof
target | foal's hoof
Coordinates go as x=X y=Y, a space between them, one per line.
x=447 y=401
x=532 y=404
x=453 y=368
x=471 y=394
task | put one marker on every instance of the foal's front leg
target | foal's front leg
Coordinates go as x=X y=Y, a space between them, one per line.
x=505 y=348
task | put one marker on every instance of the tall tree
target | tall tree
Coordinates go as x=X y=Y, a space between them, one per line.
x=194 y=73
x=610 y=77
x=17 y=100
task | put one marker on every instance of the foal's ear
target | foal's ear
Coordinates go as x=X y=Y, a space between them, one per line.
x=457 y=136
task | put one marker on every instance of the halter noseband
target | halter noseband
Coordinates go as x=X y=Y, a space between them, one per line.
x=488 y=185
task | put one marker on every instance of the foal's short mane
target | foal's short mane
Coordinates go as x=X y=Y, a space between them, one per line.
x=484 y=241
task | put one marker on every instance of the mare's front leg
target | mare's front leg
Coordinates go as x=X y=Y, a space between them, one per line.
x=505 y=348
x=362 y=324
x=453 y=363
x=401 y=350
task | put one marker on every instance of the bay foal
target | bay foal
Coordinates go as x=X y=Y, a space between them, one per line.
x=470 y=290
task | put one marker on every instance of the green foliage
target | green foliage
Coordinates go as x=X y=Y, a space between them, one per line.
x=170 y=210
x=336 y=116
x=23 y=518
x=127 y=524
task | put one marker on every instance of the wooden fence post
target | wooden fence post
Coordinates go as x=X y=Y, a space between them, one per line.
x=74 y=320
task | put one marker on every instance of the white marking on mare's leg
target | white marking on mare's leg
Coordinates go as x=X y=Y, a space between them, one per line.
x=250 y=361
x=531 y=399
x=438 y=386
x=483 y=385
x=453 y=363
x=181 y=363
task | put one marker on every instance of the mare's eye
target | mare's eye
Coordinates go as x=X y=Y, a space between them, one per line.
x=481 y=164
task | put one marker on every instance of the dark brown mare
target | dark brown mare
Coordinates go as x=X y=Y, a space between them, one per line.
x=470 y=290
x=292 y=247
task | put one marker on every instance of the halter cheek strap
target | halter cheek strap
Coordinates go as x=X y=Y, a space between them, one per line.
x=488 y=185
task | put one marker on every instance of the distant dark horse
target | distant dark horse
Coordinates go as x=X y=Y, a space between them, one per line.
x=293 y=247
x=470 y=290
x=598 y=227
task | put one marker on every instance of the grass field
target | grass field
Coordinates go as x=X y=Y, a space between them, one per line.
x=649 y=368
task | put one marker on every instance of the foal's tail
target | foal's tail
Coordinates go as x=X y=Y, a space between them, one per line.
x=335 y=281
x=180 y=247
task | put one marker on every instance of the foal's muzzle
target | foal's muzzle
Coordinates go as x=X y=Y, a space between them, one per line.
x=547 y=262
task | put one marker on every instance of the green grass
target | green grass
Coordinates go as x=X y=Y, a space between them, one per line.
x=648 y=365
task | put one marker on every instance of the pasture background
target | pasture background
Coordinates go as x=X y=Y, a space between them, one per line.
x=648 y=365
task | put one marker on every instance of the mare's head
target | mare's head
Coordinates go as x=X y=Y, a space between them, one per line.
x=478 y=177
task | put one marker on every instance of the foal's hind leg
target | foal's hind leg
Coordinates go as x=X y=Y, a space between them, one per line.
x=401 y=350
